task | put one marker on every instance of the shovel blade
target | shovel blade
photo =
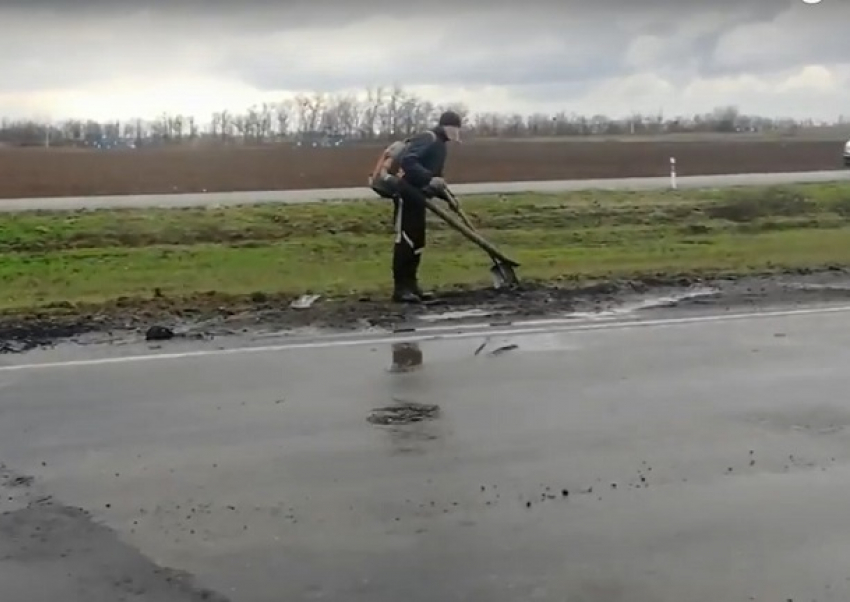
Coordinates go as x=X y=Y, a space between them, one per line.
x=503 y=276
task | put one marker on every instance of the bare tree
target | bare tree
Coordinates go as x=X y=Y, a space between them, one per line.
x=284 y=112
x=350 y=113
x=379 y=113
x=226 y=125
x=266 y=122
x=175 y=125
x=240 y=125
x=302 y=110
x=252 y=127
x=725 y=118
x=389 y=115
x=315 y=110
x=374 y=104
x=193 y=128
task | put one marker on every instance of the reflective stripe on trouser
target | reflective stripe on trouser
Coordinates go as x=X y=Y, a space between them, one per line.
x=400 y=234
x=409 y=237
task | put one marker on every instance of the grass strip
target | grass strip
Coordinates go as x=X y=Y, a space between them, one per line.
x=344 y=248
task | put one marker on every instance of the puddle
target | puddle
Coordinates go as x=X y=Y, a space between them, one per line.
x=404 y=413
x=668 y=300
x=633 y=306
x=657 y=302
x=458 y=315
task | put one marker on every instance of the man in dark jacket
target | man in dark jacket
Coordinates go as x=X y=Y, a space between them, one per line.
x=422 y=176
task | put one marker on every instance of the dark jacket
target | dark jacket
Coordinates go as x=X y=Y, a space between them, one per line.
x=424 y=157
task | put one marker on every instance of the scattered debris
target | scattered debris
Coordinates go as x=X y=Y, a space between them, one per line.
x=497 y=351
x=11 y=347
x=123 y=319
x=504 y=349
x=22 y=481
x=159 y=333
x=304 y=301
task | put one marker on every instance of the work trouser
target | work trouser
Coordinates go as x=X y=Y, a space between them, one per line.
x=409 y=235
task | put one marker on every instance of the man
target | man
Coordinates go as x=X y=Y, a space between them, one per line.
x=421 y=169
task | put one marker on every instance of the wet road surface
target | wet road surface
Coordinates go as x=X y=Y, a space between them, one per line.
x=697 y=460
x=207 y=199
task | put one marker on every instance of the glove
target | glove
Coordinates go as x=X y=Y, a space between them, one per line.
x=438 y=185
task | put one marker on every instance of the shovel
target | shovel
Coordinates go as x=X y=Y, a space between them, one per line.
x=502 y=270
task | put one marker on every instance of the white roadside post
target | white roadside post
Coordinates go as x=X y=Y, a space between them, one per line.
x=673 y=173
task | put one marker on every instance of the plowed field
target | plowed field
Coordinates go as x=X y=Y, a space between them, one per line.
x=59 y=172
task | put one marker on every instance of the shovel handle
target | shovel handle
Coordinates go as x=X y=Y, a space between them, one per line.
x=463 y=217
x=455 y=206
x=470 y=234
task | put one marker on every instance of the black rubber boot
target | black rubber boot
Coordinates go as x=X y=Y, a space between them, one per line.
x=404 y=275
x=423 y=295
x=406 y=295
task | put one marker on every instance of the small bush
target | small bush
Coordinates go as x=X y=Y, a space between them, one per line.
x=840 y=206
x=748 y=205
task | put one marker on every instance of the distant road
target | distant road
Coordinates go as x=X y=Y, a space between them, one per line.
x=342 y=194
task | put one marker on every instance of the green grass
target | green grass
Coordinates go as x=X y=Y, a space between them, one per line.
x=344 y=248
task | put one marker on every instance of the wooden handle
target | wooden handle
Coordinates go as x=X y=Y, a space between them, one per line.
x=470 y=234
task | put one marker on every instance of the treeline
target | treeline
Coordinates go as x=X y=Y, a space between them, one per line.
x=376 y=115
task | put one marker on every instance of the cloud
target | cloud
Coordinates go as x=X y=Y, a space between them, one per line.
x=112 y=58
x=804 y=34
x=489 y=50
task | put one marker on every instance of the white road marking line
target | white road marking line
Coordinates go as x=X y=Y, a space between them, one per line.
x=517 y=329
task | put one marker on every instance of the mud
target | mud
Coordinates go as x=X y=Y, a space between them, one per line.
x=49 y=551
x=212 y=315
x=405 y=412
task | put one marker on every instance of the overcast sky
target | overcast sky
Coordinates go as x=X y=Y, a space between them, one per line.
x=117 y=59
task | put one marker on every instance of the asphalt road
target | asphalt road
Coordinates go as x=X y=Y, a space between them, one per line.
x=331 y=194
x=701 y=459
